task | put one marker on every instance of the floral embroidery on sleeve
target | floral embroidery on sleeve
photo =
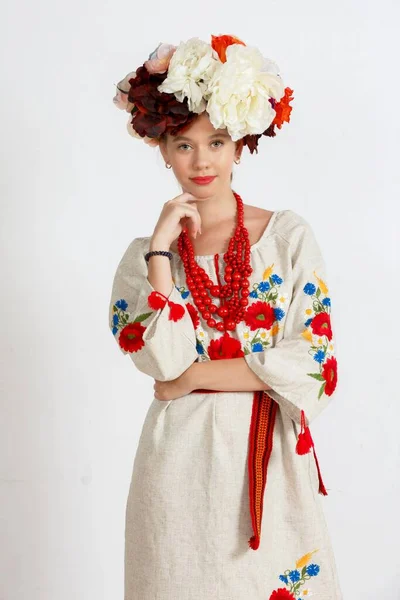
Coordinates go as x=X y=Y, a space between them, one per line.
x=295 y=578
x=264 y=315
x=131 y=331
x=319 y=333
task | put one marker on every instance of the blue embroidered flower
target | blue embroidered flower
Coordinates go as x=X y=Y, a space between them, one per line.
x=284 y=579
x=276 y=279
x=199 y=348
x=326 y=301
x=309 y=289
x=312 y=570
x=307 y=323
x=257 y=347
x=264 y=286
x=294 y=575
x=114 y=330
x=319 y=356
x=122 y=304
x=115 y=319
x=253 y=294
x=279 y=314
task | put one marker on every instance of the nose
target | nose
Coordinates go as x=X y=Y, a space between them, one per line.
x=201 y=159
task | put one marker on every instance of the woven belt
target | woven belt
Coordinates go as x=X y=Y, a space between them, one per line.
x=260 y=447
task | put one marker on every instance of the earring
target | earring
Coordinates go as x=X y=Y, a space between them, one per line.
x=168 y=166
x=237 y=161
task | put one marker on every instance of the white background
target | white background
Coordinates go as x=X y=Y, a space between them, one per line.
x=76 y=189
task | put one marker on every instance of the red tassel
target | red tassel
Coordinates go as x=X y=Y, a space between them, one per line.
x=176 y=311
x=254 y=542
x=304 y=441
x=304 y=445
x=156 y=300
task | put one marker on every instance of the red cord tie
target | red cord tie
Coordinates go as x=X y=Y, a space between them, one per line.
x=304 y=445
x=157 y=300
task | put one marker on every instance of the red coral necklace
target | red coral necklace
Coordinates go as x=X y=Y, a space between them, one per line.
x=234 y=293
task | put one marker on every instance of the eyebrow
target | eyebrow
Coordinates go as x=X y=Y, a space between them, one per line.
x=183 y=137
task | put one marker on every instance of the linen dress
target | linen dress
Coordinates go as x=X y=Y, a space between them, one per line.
x=187 y=516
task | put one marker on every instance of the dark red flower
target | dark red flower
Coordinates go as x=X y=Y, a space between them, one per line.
x=281 y=594
x=156 y=112
x=321 y=325
x=225 y=347
x=194 y=314
x=259 y=314
x=131 y=337
x=329 y=373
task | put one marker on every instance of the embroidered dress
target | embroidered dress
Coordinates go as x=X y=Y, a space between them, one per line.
x=193 y=503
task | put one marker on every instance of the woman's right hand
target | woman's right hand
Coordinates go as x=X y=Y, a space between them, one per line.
x=175 y=215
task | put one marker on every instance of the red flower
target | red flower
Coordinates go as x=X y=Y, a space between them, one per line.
x=281 y=594
x=219 y=43
x=259 y=314
x=131 y=337
x=156 y=112
x=282 y=110
x=321 y=325
x=194 y=314
x=329 y=373
x=225 y=347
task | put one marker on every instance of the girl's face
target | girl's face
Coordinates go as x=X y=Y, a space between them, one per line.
x=202 y=151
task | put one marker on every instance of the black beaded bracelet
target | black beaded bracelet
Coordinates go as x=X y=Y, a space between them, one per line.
x=162 y=252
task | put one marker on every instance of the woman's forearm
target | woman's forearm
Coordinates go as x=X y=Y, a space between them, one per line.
x=230 y=375
x=159 y=268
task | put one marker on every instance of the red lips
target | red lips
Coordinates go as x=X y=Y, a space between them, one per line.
x=203 y=180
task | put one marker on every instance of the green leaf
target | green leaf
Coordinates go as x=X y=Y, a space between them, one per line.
x=318 y=293
x=316 y=376
x=321 y=391
x=142 y=317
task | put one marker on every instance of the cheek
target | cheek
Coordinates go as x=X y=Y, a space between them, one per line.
x=181 y=165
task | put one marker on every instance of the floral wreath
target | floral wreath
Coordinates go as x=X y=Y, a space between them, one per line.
x=241 y=91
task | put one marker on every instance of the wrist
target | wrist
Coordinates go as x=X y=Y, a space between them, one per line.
x=192 y=376
x=158 y=244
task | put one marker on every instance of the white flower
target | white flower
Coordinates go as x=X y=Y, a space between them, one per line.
x=192 y=66
x=282 y=299
x=240 y=92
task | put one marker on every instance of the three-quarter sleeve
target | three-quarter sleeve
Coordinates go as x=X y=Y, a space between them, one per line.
x=301 y=368
x=156 y=331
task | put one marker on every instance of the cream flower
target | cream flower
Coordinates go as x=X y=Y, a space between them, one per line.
x=240 y=92
x=192 y=66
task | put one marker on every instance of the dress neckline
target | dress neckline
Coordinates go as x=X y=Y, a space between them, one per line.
x=252 y=247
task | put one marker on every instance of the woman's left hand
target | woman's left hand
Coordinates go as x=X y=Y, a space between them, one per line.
x=170 y=390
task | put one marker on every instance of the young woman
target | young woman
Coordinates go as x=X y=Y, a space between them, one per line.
x=227 y=308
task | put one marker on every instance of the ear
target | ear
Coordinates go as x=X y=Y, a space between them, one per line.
x=239 y=148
